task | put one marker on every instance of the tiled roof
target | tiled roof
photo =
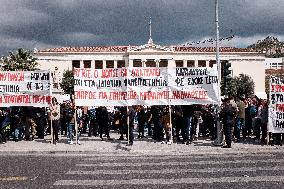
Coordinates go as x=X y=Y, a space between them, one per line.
x=124 y=49
x=87 y=49
x=211 y=49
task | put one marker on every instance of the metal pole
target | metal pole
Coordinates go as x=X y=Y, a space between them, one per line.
x=76 y=125
x=219 y=139
x=171 y=126
x=51 y=129
x=128 y=129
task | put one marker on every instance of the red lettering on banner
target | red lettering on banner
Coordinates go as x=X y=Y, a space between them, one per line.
x=154 y=95
x=277 y=88
x=123 y=72
x=76 y=72
x=12 y=76
x=108 y=73
x=41 y=99
x=16 y=99
x=85 y=95
x=146 y=72
x=190 y=94
x=280 y=107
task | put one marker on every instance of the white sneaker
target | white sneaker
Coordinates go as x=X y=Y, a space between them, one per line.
x=170 y=142
x=78 y=142
x=71 y=142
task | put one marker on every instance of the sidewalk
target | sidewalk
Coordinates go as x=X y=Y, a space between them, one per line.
x=93 y=145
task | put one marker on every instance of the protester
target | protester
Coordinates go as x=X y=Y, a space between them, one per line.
x=228 y=114
x=141 y=116
x=55 y=118
x=167 y=125
x=240 y=119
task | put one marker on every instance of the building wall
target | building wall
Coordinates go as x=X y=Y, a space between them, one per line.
x=253 y=68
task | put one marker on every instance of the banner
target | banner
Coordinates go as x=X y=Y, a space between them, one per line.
x=145 y=86
x=276 y=106
x=25 y=88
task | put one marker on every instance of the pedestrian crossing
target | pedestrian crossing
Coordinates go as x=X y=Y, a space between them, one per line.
x=176 y=171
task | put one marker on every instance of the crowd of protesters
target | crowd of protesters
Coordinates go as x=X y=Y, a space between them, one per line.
x=241 y=119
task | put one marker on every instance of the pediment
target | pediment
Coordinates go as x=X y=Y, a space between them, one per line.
x=150 y=47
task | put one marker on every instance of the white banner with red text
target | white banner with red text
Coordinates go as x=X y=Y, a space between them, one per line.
x=145 y=86
x=276 y=105
x=25 y=88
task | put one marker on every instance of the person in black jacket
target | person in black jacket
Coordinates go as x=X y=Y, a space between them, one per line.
x=228 y=114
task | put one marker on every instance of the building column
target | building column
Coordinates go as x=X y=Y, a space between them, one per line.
x=196 y=63
x=207 y=63
x=104 y=64
x=130 y=63
x=92 y=64
x=143 y=63
x=184 y=63
x=115 y=64
x=157 y=62
x=81 y=64
x=171 y=63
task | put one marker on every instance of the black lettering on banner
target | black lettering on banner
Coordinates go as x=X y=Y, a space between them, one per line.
x=279 y=97
x=78 y=82
x=279 y=124
x=155 y=82
x=39 y=76
x=211 y=79
x=195 y=80
x=9 y=88
x=191 y=71
x=29 y=85
x=179 y=81
x=279 y=115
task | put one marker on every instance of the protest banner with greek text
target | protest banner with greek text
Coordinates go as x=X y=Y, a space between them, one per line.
x=276 y=106
x=145 y=86
x=25 y=88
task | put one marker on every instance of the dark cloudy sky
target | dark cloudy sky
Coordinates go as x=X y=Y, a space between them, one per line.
x=54 y=23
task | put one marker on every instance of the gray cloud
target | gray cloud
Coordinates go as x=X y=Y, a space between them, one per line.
x=41 y=24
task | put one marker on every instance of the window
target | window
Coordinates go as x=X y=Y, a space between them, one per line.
x=190 y=63
x=120 y=63
x=163 y=63
x=211 y=63
x=201 y=63
x=98 y=64
x=137 y=63
x=109 y=64
x=150 y=63
x=75 y=63
x=179 y=63
x=87 y=63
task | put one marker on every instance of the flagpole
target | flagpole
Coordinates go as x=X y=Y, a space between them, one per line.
x=219 y=140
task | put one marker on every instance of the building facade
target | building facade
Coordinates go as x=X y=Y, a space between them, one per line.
x=151 y=55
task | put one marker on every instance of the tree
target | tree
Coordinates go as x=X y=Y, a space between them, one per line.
x=242 y=85
x=272 y=47
x=68 y=81
x=20 y=60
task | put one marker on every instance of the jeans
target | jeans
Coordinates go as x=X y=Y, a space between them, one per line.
x=240 y=124
x=70 y=127
x=187 y=128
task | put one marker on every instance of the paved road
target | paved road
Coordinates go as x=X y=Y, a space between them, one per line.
x=262 y=169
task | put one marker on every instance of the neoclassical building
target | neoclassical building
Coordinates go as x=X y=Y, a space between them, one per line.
x=152 y=55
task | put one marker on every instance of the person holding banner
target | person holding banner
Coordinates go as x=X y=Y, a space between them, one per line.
x=55 y=117
x=30 y=123
x=131 y=114
x=70 y=112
